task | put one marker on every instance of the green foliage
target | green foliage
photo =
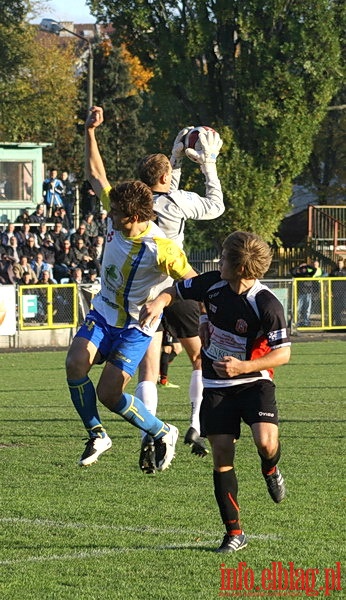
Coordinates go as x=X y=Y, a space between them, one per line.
x=266 y=71
x=122 y=137
x=13 y=12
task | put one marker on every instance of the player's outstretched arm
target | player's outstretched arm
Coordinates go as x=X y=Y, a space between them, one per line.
x=212 y=205
x=94 y=167
x=177 y=155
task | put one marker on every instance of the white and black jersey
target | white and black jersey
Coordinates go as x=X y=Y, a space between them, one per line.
x=246 y=326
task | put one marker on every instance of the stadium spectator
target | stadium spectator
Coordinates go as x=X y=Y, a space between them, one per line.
x=24 y=266
x=82 y=255
x=79 y=233
x=24 y=217
x=77 y=276
x=38 y=216
x=92 y=276
x=26 y=279
x=6 y=271
x=52 y=190
x=58 y=236
x=45 y=278
x=65 y=261
x=7 y=234
x=60 y=216
x=68 y=197
x=91 y=228
x=245 y=338
x=102 y=223
x=29 y=249
x=48 y=250
x=39 y=265
x=13 y=251
x=96 y=252
x=24 y=233
x=339 y=292
x=305 y=290
x=89 y=199
x=41 y=234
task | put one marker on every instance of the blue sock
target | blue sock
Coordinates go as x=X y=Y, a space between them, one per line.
x=83 y=396
x=133 y=410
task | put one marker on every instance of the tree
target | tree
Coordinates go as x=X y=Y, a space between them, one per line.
x=38 y=103
x=122 y=137
x=263 y=73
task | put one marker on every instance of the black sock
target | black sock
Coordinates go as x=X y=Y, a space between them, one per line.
x=226 y=491
x=164 y=365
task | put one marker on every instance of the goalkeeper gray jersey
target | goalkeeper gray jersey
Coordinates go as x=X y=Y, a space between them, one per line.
x=174 y=208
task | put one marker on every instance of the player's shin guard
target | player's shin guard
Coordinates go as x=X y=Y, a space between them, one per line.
x=83 y=396
x=133 y=410
x=226 y=491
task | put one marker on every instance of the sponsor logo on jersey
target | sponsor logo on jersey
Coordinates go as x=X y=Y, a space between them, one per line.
x=241 y=326
x=265 y=414
x=113 y=277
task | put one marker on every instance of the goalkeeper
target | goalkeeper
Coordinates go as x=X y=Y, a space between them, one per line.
x=173 y=207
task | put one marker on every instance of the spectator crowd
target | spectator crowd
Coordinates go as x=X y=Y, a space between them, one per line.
x=43 y=247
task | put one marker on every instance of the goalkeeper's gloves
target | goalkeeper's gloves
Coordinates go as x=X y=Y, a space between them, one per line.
x=207 y=149
x=178 y=150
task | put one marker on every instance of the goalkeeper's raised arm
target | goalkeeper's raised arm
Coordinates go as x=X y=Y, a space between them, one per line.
x=204 y=154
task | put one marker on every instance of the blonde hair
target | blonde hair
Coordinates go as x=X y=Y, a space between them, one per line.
x=247 y=252
x=152 y=167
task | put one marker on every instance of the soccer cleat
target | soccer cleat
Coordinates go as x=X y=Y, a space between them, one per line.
x=165 y=448
x=147 y=456
x=276 y=486
x=233 y=543
x=94 y=447
x=196 y=443
x=168 y=384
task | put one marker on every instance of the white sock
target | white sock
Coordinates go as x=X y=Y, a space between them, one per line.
x=196 y=395
x=147 y=392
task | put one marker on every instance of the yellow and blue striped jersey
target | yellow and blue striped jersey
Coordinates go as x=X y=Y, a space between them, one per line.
x=134 y=270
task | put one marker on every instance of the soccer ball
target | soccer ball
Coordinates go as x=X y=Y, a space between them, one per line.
x=191 y=139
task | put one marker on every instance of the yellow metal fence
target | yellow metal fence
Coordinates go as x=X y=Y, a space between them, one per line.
x=47 y=306
x=313 y=304
x=319 y=303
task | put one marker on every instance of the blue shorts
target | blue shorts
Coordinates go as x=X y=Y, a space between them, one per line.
x=123 y=347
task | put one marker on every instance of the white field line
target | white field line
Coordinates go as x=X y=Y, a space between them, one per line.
x=97 y=552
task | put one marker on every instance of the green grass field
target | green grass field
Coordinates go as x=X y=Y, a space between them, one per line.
x=110 y=532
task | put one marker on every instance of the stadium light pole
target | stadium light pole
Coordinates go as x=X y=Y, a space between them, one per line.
x=51 y=26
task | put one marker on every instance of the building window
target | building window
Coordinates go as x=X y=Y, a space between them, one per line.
x=16 y=180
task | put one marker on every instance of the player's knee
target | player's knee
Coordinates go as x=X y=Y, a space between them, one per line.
x=268 y=448
x=77 y=365
x=107 y=395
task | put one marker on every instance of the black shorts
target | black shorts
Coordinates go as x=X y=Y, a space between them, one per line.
x=181 y=319
x=223 y=409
